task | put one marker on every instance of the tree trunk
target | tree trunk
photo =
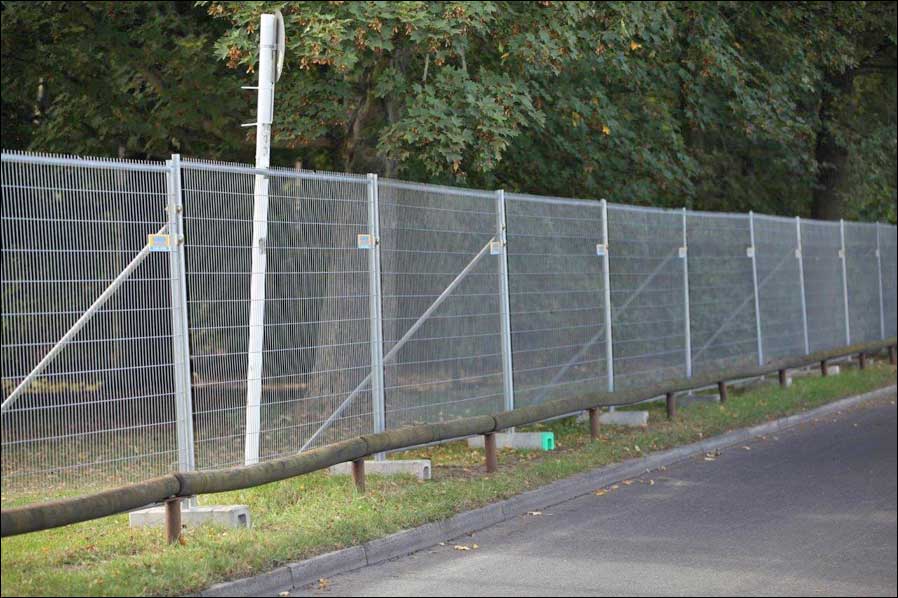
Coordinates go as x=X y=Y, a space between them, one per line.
x=831 y=156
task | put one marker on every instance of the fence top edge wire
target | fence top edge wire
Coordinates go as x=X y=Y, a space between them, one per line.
x=820 y=223
x=790 y=220
x=719 y=215
x=430 y=188
x=646 y=209
x=274 y=171
x=41 y=159
x=550 y=199
x=48 y=159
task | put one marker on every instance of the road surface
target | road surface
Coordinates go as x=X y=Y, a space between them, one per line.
x=811 y=511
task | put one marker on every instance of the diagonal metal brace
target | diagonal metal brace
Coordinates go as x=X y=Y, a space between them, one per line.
x=595 y=338
x=79 y=324
x=401 y=342
x=742 y=306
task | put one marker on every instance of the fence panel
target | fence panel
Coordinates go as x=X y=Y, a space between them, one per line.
x=557 y=305
x=888 y=244
x=316 y=343
x=91 y=393
x=779 y=286
x=102 y=412
x=863 y=281
x=441 y=305
x=821 y=244
x=647 y=298
x=721 y=291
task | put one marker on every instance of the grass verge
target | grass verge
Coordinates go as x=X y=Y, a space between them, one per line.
x=310 y=515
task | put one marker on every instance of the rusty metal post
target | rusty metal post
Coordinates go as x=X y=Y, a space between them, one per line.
x=862 y=360
x=782 y=377
x=722 y=389
x=671 y=405
x=489 y=445
x=173 y=520
x=358 y=475
x=594 y=423
x=892 y=355
x=824 y=368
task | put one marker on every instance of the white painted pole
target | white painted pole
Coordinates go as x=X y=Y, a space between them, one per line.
x=265 y=112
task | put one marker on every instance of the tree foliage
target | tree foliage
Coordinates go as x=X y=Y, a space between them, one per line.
x=772 y=106
x=135 y=79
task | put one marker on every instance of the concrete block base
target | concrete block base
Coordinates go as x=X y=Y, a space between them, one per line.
x=420 y=468
x=232 y=516
x=625 y=418
x=524 y=441
x=833 y=370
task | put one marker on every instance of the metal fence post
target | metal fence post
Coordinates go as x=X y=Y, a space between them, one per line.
x=376 y=310
x=180 y=317
x=804 y=306
x=754 y=276
x=844 y=257
x=688 y=321
x=882 y=316
x=504 y=309
x=609 y=345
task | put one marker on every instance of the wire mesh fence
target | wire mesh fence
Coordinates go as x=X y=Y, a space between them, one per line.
x=155 y=319
x=557 y=299
x=778 y=255
x=98 y=408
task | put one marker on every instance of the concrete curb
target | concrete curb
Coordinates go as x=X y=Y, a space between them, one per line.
x=303 y=573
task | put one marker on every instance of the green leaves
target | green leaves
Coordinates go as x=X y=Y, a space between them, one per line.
x=714 y=105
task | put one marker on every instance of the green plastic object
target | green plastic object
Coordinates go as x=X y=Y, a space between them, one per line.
x=548 y=441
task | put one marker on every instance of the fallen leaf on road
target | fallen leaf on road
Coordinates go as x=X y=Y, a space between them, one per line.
x=535 y=513
x=461 y=547
x=748 y=448
x=323 y=583
x=284 y=594
x=600 y=492
x=627 y=482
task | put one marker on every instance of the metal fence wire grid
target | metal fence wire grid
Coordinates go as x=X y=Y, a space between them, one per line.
x=154 y=322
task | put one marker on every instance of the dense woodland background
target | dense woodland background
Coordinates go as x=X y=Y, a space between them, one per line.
x=779 y=107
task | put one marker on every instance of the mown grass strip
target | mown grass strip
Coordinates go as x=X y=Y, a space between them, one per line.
x=314 y=514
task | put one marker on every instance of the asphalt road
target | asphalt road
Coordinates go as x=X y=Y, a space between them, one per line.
x=810 y=512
